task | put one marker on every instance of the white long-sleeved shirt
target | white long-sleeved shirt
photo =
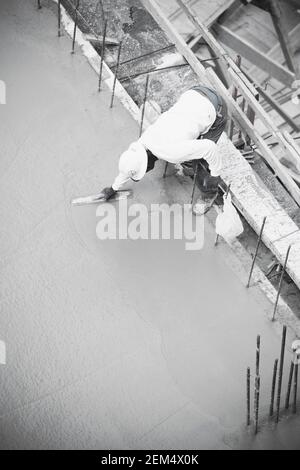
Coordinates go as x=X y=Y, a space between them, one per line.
x=174 y=136
x=191 y=116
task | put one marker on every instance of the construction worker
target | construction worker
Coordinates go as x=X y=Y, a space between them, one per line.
x=186 y=134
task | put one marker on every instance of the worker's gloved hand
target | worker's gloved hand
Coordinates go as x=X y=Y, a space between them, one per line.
x=108 y=193
x=211 y=183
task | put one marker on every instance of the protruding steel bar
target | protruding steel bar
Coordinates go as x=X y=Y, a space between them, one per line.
x=248 y=397
x=160 y=69
x=243 y=105
x=59 y=17
x=102 y=55
x=257 y=396
x=144 y=105
x=116 y=75
x=75 y=27
x=281 y=282
x=296 y=381
x=256 y=251
x=257 y=354
x=194 y=183
x=166 y=168
x=147 y=54
x=288 y=393
x=238 y=62
x=281 y=364
x=251 y=117
x=150 y=71
x=273 y=388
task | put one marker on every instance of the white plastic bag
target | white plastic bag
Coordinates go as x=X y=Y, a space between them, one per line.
x=228 y=223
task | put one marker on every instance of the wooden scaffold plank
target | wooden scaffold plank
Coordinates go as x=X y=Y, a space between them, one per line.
x=256 y=57
x=250 y=93
x=208 y=77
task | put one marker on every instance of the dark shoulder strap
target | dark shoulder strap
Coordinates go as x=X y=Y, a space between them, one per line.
x=211 y=95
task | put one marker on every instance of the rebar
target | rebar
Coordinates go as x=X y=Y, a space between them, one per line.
x=144 y=105
x=281 y=364
x=256 y=251
x=257 y=396
x=281 y=282
x=194 y=183
x=248 y=397
x=288 y=393
x=273 y=388
x=238 y=62
x=296 y=381
x=102 y=55
x=75 y=27
x=59 y=17
x=143 y=56
x=257 y=354
x=116 y=75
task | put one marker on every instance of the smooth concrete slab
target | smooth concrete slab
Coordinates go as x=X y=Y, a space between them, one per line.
x=110 y=344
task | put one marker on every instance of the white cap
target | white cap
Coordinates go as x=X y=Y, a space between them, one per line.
x=133 y=163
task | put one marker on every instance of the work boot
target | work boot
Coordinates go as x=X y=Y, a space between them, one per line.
x=203 y=204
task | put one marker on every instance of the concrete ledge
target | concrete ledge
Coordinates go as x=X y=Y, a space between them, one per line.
x=284 y=315
x=255 y=202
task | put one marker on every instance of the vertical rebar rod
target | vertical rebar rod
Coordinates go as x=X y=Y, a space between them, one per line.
x=59 y=17
x=116 y=75
x=166 y=168
x=257 y=354
x=144 y=104
x=75 y=27
x=243 y=105
x=248 y=397
x=102 y=55
x=273 y=388
x=251 y=117
x=100 y=2
x=281 y=282
x=256 y=392
x=296 y=384
x=256 y=251
x=39 y=4
x=238 y=62
x=194 y=183
x=288 y=393
x=257 y=396
x=281 y=364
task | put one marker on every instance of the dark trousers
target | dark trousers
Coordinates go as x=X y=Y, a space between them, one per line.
x=201 y=165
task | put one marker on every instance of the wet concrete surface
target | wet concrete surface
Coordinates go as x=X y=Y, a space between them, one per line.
x=130 y=22
x=110 y=344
